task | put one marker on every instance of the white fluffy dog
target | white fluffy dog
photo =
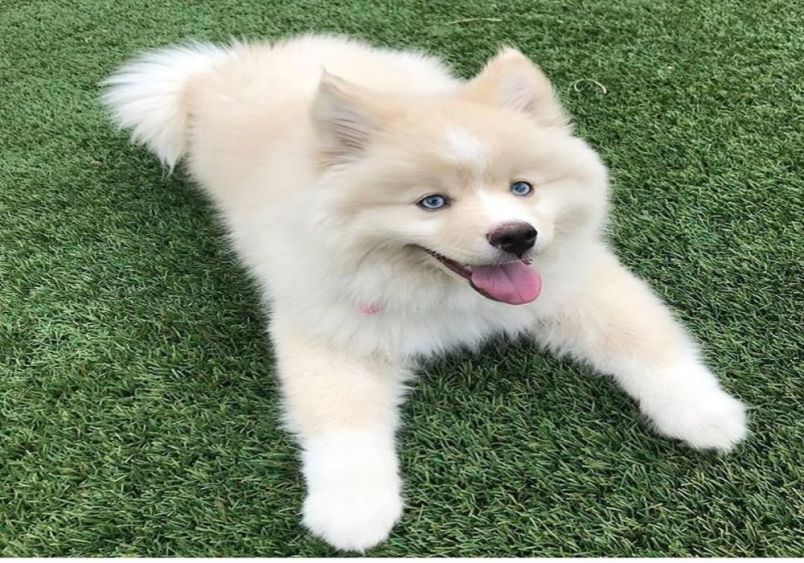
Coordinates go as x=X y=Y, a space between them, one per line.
x=392 y=211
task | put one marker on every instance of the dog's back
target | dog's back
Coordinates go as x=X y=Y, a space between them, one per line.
x=167 y=93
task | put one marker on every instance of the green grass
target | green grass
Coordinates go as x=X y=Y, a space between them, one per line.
x=138 y=407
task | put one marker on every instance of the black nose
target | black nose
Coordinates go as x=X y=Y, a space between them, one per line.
x=516 y=238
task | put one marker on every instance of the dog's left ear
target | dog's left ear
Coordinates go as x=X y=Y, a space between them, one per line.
x=512 y=80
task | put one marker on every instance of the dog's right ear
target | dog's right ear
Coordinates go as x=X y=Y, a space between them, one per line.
x=345 y=117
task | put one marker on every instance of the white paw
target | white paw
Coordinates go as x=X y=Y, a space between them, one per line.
x=354 y=490
x=704 y=416
x=353 y=516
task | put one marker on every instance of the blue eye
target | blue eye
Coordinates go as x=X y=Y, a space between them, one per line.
x=521 y=188
x=432 y=202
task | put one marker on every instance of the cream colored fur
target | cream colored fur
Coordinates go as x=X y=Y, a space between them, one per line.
x=316 y=150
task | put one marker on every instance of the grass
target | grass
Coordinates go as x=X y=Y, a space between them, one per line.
x=138 y=407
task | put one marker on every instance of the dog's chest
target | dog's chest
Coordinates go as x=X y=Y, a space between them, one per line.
x=413 y=329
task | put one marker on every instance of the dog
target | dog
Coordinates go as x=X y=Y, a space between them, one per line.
x=392 y=211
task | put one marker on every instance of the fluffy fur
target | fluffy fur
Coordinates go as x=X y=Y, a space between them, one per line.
x=317 y=151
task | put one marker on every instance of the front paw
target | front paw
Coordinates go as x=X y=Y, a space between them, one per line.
x=702 y=415
x=353 y=488
x=352 y=515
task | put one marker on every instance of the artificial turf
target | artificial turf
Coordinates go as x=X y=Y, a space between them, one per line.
x=138 y=406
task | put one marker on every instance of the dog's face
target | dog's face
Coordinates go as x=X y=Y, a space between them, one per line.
x=483 y=183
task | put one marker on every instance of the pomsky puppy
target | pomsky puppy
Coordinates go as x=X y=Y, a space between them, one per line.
x=392 y=211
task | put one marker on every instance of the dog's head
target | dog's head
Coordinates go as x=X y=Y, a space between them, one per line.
x=483 y=183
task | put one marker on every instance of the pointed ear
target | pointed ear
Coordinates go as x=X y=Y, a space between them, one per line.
x=345 y=117
x=513 y=81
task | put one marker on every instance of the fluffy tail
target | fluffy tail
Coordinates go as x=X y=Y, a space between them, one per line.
x=148 y=96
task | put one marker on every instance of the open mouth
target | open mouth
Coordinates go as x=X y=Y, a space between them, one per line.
x=515 y=283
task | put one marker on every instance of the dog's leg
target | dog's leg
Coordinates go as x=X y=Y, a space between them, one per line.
x=343 y=409
x=621 y=328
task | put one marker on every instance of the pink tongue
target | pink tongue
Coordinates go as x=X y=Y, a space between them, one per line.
x=514 y=283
